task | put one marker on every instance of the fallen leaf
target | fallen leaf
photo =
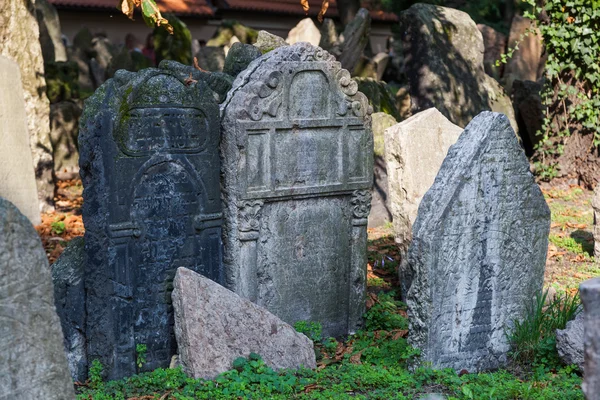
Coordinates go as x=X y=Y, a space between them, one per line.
x=399 y=333
x=197 y=66
x=355 y=358
x=323 y=10
x=305 y=6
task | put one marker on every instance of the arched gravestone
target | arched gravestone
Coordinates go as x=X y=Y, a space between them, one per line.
x=297 y=153
x=478 y=251
x=150 y=169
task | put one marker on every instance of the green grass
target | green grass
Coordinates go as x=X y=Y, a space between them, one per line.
x=373 y=364
x=575 y=244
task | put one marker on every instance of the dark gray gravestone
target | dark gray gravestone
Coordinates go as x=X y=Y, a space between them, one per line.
x=297 y=154
x=150 y=169
x=478 y=251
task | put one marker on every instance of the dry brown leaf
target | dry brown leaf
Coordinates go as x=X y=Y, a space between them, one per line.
x=311 y=387
x=128 y=7
x=323 y=10
x=577 y=226
x=189 y=80
x=355 y=358
x=305 y=6
x=399 y=333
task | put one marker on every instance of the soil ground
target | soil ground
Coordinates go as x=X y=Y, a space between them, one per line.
x=570 y=250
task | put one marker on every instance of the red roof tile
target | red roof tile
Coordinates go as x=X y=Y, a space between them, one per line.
x=293 y=7
x=181 y=7
x=203 y=7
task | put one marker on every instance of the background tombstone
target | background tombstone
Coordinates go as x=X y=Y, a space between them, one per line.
x=17 y=182
x=150 y=167
x=479 y=249
x=414 y=152
x=297 y=154
x=32 y=360
x=590 y=297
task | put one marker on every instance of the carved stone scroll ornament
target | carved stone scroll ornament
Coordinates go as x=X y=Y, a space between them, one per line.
x=361 y=206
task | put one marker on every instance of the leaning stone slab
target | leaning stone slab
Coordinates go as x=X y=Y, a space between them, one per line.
x=214 y=326
x=380 y=206
x=32 y=360
x=414 y=152
x=17 y=177
x=150 y=168
x=596 y=208
x=590 y=297
x=569 y=342
x=479 y=249
x=297 y=154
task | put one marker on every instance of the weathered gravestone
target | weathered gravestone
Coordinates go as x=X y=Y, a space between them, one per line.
x=17 y=178
x=415 y=150
x=32 y=360
x=478 y=251
x=297 y=154
x=150 y=169
x=590 y=297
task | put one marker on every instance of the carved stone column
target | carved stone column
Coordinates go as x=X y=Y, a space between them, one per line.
x=361 y=206
x=249 y=226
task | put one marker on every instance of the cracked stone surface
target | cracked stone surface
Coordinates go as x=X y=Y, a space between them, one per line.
x=479 y=249
x=32 y=360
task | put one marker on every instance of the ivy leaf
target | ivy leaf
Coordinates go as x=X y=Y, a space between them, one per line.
x=150 y=12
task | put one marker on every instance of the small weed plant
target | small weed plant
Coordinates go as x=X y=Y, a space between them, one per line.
x=58 y=227
x=140 y=351
x=534 y=339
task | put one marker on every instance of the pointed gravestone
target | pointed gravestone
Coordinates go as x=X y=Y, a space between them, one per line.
x=17 y=177
x=478 y=251
x=150 y=169
x=297 y=158
x=32 y=361
x=414 y=152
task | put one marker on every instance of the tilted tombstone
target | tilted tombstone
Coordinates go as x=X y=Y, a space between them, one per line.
x=150 y=169
x=596 y=210
x=478 y=250
x=32 y=360
x=17 y=175
x=297 y=153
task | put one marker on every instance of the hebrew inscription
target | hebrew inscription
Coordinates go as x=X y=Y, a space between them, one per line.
x=296 y=146
x=152 y=205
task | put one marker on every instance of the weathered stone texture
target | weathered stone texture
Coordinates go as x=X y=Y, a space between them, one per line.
x=17 y=178
x=297 y=150
x=149 y=163
x=214 y=326
x=495 y=45
x=64 y=119
x=18 y=31
x=68 y=276
x=414 y=152
x=380 y=206
x=569 y=342
x=32 y=360
x=239 y=57
x=479 y=249
x=304 y=31
x=267 y=42
x=444 y=62
x=354 y=39
x=53 y=48
x=211 y=58
x=590 y=297
x=596 y=208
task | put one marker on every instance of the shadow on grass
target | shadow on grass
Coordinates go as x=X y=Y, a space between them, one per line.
x=585 y=239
